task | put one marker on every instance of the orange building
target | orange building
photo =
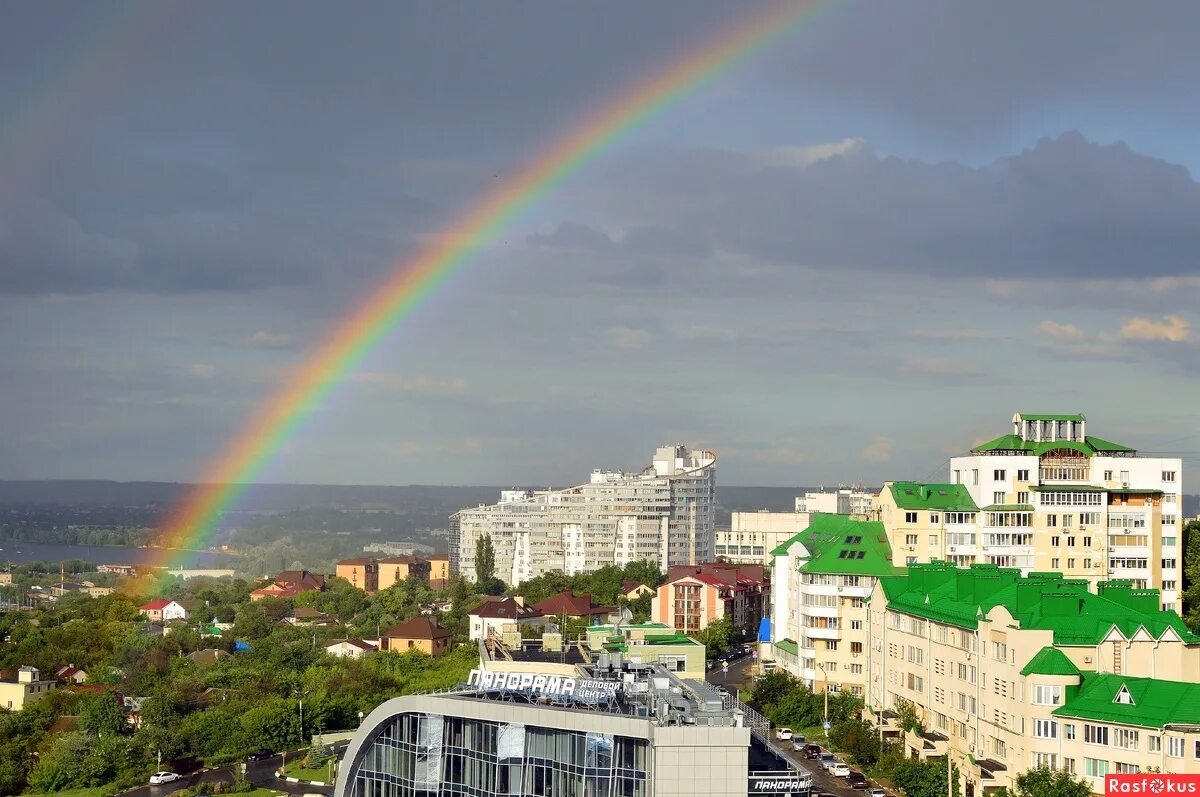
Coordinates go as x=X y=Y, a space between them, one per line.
x=439 y=571
x=394 y=569
x=419 y=633
x=696 y=595
x=363 y=573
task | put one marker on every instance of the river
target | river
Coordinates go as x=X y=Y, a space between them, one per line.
x=24 y=552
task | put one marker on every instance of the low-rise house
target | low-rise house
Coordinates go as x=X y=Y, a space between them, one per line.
x=419 y=633
x=632 y=590
x=120 y=570
x=153 y=609
x=5 y=578
x=97 y=592
x=23 y=686
x=575 y=607
x=208 y=656
x=497 y=618
x=69 y=673
x=184 y=609
x=289 y=584
x=349 y=648
x=308 y=616
x=65 y=588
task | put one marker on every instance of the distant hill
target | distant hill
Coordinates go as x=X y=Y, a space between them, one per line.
x=284 y=497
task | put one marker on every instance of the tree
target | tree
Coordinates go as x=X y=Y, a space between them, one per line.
x=858 y=739
x=485 y=564
x=1050 y=783
x=101 y=716
x=1191 y=573
x=907 y=717
x=716 y=637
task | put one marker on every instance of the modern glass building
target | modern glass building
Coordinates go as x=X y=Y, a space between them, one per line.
x=623 y=732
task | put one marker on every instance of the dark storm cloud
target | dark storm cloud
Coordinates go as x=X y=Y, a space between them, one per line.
x=963 y=71
x=1065 y=207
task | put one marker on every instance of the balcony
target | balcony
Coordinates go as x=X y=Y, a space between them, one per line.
x=823 y=633
x=929 y=744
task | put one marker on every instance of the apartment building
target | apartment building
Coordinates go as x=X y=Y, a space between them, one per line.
x=371 y=575
x=1008 y=672
x=842 y=501
x=663 y=514
x=1048 y=496
x=694 y=596
x=820 y=582
x=753 y=535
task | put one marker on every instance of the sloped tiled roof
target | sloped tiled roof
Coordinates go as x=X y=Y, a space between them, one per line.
x=507 y=609
x=841 y=545
x=570 y=604
x=1050 y=661
x=1155 y=702
x=941 y=497
x=959 y=596
x=156 y=605
x=419 y=628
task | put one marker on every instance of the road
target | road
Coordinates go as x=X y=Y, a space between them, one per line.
x=739 y=676
x=260 y=773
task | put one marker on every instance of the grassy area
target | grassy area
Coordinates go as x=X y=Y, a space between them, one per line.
x=258 y=793
x=97 y=791
x=296 y=769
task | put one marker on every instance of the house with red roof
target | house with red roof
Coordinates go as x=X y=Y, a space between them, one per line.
x=153 y=610
x=576 y=607
x=289 y=584
x=496 y=617
x=694 y=596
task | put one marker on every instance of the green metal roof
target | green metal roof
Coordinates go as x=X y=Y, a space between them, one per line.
x=1088 y=448
x=940 y=497
x=1105 y=445
x=1008 y=508
x=1155 y=702
x=788 y=646
x=841 y=545
x=1050 y=661
x=961 y=596
x=1034 y=416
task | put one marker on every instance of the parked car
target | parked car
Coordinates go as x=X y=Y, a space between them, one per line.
x=857 y=780
x=812 y=752
x=159 y=778
x=876 y=792
x=799 y=744
x=783 y=733
x=839 y=770
x=260 y=755
x=827 y=761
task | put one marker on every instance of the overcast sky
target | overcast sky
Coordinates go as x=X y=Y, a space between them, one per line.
x=849 y=258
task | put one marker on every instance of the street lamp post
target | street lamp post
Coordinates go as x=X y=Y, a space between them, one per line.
x=825 y=680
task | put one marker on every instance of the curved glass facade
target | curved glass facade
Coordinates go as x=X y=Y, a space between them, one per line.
x=431 y=754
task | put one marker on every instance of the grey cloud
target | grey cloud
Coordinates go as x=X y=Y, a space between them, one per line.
x=1066 y=207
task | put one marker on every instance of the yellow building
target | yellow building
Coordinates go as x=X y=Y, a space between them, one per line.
x=1007 y=672
x=396 y=569
x=362 y=572
x=25 y=687
x=419 y=633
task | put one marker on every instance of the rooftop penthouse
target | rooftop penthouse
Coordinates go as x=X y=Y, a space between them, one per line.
x=1039 y=434
x=940 y=592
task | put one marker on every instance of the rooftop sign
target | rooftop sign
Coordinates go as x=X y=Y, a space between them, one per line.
x=556 y=687
x=784 y=782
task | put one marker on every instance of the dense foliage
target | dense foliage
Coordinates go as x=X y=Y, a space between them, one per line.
x=1048 y=783
x=789 y=703
x=604 y=585
x=1191 y=574
x=209 y=712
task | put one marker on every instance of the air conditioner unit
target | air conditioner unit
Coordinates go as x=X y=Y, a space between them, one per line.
x=953 y=549
x=1087 y=659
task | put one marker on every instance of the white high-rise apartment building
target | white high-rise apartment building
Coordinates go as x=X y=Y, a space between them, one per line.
x=842 y=501
x=663 y=514
x=1052 y=497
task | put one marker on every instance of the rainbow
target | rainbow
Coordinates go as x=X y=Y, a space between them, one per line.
x=415 y=278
